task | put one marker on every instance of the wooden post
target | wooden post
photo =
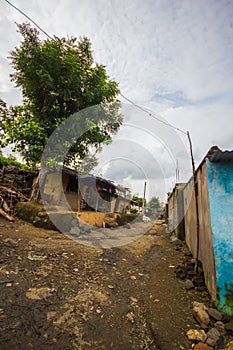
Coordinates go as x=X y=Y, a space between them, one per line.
x=144 y=198
x=196 y=199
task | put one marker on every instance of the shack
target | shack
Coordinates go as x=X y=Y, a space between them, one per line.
x=84 y=192
x=214 y=244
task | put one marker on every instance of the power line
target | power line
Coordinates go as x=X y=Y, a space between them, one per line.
x=24 y=14
x=157 y=116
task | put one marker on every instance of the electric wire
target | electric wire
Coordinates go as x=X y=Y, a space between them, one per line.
x=24 y=14
x=154 y=115
x=157 y=116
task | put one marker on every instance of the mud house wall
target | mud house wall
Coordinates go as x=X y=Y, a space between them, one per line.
x=59 y=193
x=71 y=194
x=55 y=190
x=121 y=204
x=220 y=186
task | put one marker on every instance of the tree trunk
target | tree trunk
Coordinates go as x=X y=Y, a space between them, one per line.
x=38 y=185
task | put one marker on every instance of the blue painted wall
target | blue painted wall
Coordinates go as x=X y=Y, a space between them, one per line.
x=220 y=191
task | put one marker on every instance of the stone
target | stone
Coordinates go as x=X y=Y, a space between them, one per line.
x=38 y=293
x=200 y=314
x=220 y=327
x=229 y=326
x=128 y=226
x=230 y=345
x=75 y=230
x=215 y=314
x=202 y=346
x=131 y=317
x=200 y=305
x=213 y=337
x=180 y=273
x=196 y=335
x=41 y=214
x=134 y=300
x=188 y=284
x=74 y=222
x=85 y=228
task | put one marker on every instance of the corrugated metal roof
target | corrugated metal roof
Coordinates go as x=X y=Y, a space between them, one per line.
x=221 y=156
x=109 y=183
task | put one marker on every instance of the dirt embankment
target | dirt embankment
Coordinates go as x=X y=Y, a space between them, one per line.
x=59 y=294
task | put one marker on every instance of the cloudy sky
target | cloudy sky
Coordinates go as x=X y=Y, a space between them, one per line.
x=171 y=57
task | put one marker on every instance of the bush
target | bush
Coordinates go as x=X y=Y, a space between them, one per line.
x=5 y=161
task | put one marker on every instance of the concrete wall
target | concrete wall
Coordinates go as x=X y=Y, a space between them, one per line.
x=220 y=187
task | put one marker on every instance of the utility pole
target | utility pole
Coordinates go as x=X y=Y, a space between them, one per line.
x=144 y=198
x=177 y=172
x=195 y=183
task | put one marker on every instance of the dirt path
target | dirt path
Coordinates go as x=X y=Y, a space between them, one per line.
x=58 y=294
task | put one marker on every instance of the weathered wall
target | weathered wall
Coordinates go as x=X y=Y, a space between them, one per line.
x=54 y=188
x=205 y=251
x=176 y=212
x=120 y=204
x=220 y=187
x=190 y=218
x=56 y=193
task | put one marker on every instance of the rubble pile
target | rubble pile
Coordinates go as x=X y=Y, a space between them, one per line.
x=15 y=186
x=214 y=331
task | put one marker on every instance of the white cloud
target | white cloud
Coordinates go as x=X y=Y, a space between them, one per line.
x=171 y=56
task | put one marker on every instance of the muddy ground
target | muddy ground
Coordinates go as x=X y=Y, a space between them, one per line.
x=58 y=294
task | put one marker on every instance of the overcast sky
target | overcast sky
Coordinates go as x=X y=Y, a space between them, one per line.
x=172 y=57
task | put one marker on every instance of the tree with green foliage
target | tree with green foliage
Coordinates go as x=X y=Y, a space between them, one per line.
x=154 y=203
x=137 y=200
x=3 y=116
x=58 y=78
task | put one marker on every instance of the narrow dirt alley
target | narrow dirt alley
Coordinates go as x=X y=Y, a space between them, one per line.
x=58 y=294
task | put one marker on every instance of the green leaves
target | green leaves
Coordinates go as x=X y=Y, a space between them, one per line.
x=154 y=203
x=137 y=200
x=58 y=77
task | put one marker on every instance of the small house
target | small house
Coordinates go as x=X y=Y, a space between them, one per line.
x=84 y=192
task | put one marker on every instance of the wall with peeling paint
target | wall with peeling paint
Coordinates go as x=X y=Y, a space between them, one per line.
x=220 y=192
x=205 y=250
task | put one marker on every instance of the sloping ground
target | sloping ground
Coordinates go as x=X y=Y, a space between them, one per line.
x=58 y=294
